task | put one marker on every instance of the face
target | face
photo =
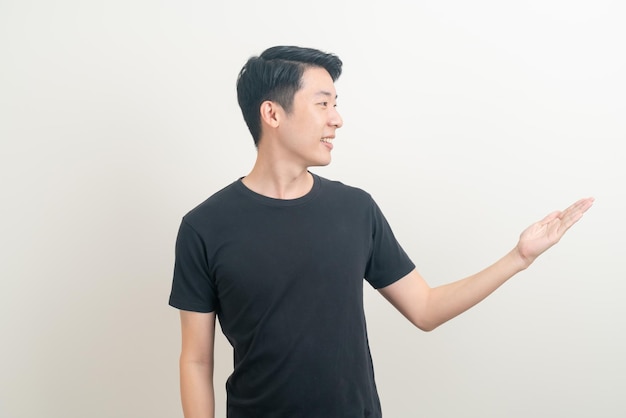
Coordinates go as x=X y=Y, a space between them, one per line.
x=306 y=133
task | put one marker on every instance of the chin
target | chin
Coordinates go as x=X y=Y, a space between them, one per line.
x=321 y=163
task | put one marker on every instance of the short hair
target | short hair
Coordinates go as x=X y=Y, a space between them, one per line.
x=276 y=75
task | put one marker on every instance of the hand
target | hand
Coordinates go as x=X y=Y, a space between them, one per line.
x=542 y=235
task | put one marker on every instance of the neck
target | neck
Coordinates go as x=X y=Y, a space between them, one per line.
x=278 y=181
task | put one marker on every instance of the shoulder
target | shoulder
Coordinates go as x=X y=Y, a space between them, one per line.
x=221 y=202
x=340 y=190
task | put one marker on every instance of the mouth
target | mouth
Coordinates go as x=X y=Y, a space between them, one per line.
x=327 y=142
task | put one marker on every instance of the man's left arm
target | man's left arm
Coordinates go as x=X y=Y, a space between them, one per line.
x=427 y=307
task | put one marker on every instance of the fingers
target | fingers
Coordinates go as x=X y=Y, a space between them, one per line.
x=572 y=214
x=576 y=210
x=579 y=207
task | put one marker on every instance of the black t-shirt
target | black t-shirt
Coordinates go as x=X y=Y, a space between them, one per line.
x=285 y=278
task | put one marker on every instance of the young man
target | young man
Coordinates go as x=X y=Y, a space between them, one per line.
x=280 y=257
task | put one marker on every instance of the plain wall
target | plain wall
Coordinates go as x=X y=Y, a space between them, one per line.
x=467 y=121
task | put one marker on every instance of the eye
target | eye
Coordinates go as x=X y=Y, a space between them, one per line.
x=325 y=104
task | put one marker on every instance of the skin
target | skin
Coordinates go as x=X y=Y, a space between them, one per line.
x=290 y=143
x=196 y=364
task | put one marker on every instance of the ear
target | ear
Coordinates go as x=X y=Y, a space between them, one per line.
x=270 y=113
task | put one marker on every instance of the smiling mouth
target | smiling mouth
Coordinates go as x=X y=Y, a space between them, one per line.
x=327 y=140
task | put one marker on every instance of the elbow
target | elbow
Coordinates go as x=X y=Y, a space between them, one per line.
x=426 y=317
x=425 y=325
x=427 y=328
x=423 y=318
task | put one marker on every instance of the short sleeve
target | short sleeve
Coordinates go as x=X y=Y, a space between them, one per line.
x=192 y=287
x=388 y=262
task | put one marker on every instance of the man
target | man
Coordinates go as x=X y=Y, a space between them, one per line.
x=280 y=257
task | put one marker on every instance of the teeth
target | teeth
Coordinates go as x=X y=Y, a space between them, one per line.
x=327 y=140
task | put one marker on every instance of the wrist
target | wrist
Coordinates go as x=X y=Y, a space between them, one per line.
x=518 y=259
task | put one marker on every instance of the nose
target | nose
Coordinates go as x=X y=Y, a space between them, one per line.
x=335 y=119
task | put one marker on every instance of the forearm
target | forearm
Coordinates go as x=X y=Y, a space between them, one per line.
x=196 y=387
x=427 y=307
x=447 y=301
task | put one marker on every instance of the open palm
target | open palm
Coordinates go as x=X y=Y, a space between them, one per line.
x=542 y=235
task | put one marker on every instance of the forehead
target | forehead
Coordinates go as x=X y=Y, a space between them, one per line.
x=316 y=80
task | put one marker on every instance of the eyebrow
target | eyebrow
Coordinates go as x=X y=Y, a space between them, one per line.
x=325 y=93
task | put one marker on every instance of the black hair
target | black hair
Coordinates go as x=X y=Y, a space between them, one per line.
x=276 y=75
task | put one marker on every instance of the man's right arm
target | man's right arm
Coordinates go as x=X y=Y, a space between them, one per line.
x=196 y=364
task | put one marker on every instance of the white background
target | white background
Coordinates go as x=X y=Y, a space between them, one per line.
x=466 y=121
